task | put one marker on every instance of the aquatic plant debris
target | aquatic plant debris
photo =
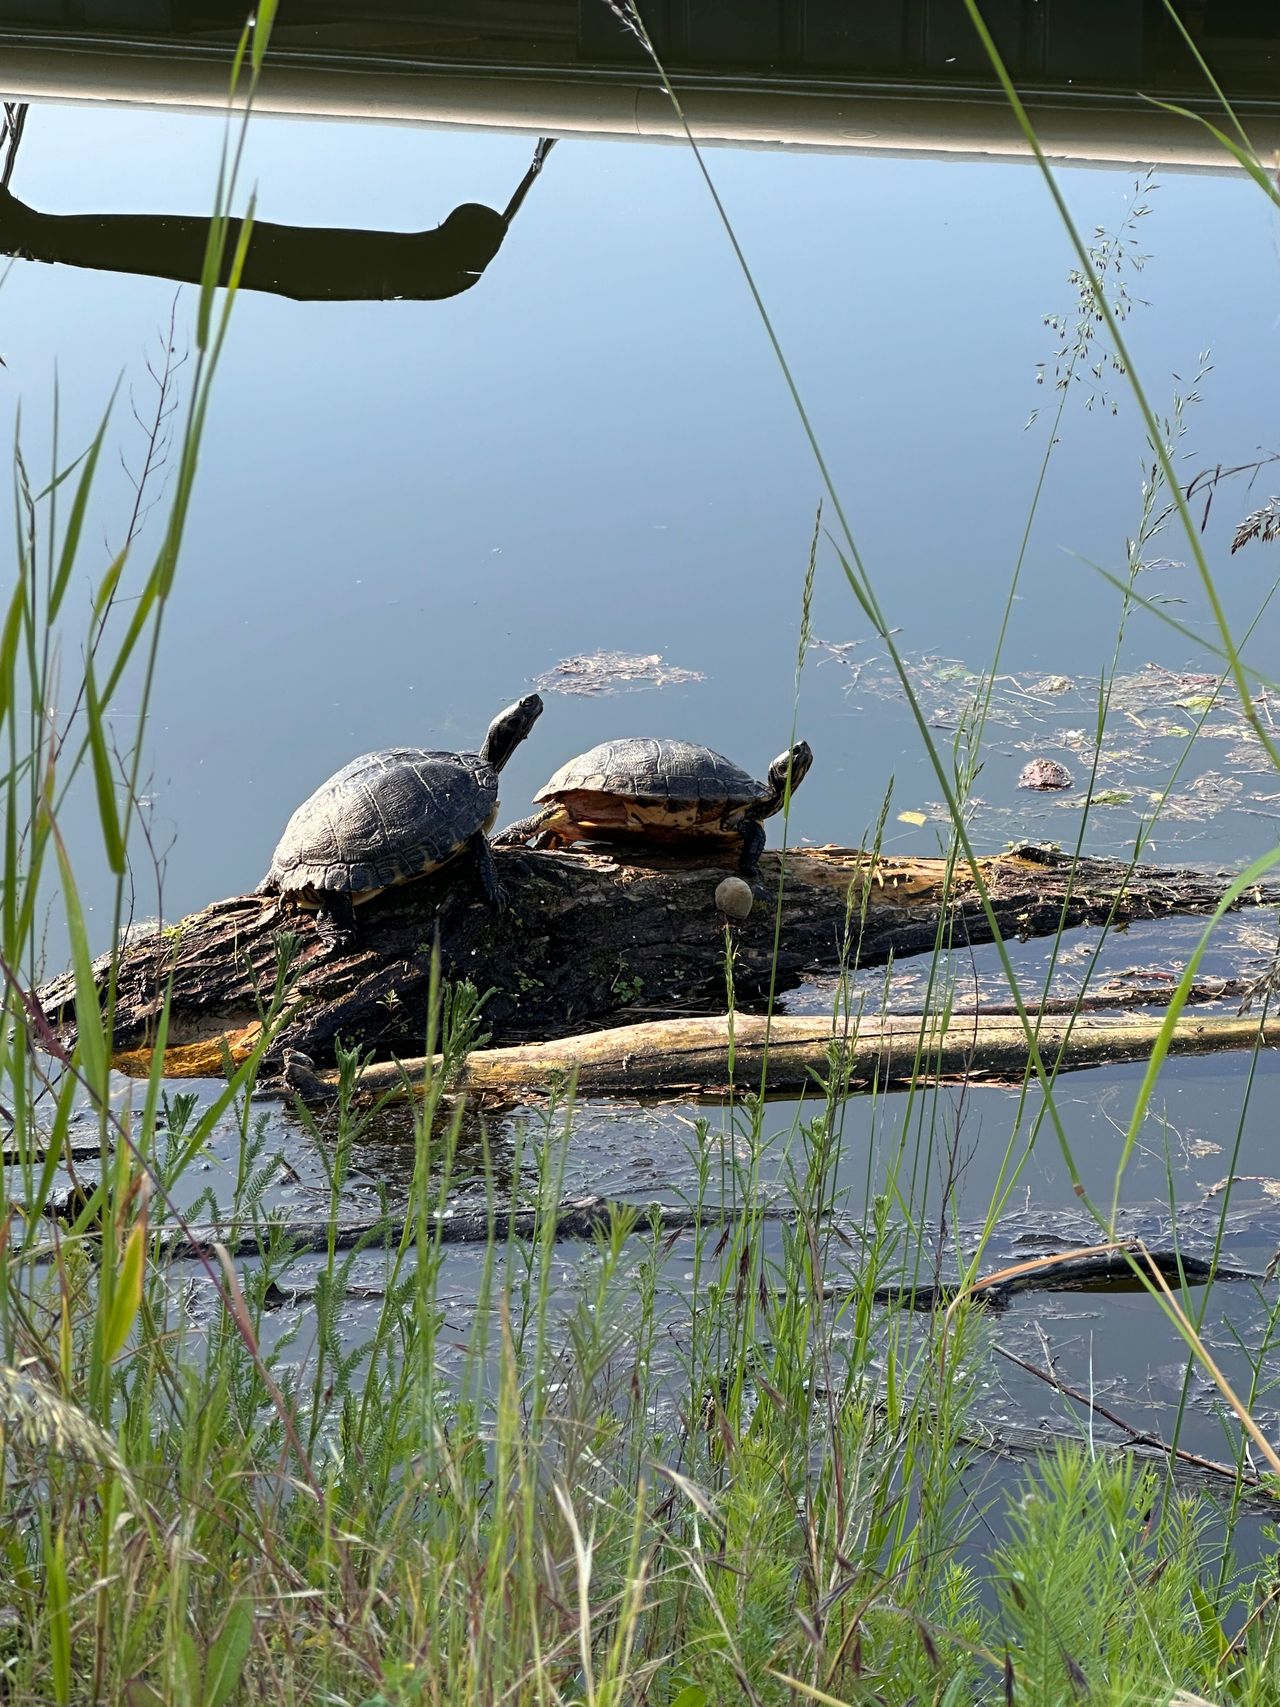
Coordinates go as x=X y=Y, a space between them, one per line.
x=613 y=672
x=1153 y=712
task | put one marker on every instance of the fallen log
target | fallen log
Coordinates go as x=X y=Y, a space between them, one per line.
x=587 y=938
x=1098 y=1268
x=710 y=1057
x=581 y=1218
x=1103 y=1268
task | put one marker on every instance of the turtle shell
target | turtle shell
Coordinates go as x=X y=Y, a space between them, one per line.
x=383 y=819
x=654 y=771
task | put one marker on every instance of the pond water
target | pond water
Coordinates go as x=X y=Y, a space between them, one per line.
x=408 y=512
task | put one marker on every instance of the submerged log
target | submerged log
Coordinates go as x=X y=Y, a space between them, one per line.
x=708 y=1057
x=588 y=940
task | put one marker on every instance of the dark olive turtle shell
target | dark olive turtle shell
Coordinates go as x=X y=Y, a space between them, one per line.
x=384 y=818
x=644 y=769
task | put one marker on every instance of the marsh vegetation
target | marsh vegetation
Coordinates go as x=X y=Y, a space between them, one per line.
x=269 y=1432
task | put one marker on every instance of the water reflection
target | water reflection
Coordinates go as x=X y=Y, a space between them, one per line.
x=1115 y=1345
x=306 y=263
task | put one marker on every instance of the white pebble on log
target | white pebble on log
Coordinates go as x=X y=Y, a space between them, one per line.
x=734 y=898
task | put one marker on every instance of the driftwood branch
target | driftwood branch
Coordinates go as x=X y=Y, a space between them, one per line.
x=707 y=1057
x=1230 y=1473
x=588 y=940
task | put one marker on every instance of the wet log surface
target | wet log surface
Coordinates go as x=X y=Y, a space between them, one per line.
x=589 y=941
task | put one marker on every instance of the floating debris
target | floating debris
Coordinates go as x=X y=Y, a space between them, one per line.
x=613 y=672
x=1157 y=719
x=1204 y=798
x=1045 y=774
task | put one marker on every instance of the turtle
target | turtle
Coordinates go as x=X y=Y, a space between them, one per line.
x=394 y=815
x=1045 y=774
x=656 y=790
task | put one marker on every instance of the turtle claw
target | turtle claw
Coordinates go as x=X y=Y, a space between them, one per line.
x=487 y=872
x=525 y=832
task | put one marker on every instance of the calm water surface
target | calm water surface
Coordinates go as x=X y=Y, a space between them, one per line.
x=408 y=512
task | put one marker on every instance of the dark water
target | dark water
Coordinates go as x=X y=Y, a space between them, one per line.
x=407 y=512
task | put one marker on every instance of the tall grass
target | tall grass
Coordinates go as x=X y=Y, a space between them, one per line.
x=648 y=1471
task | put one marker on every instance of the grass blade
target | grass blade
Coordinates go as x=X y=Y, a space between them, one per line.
x=227 y=1655
x=75 y=521
x=58 y=1610
x=103 y=777
x=127 y=1297
x=1242 y=155
x=90 y=1031
x=1252 y=874
x=9 y=642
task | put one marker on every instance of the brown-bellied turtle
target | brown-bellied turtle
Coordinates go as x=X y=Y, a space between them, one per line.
x=395 y=815
x=660 y=791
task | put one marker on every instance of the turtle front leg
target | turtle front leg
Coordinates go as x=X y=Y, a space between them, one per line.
x=335 y=919
x=487 y=871
x=752 y=833
x=524 y=829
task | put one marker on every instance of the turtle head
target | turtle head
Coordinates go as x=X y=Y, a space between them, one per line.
x=509 y=728
x=796 y=762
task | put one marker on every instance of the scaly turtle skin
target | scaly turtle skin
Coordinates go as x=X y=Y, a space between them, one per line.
x=659 y=791
x=394 y=815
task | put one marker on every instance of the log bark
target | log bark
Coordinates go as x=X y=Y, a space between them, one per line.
x=706 y=1057
x=588 y=940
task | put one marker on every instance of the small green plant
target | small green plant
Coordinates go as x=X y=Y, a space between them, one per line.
x=627 y=985
x=462 y=1005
